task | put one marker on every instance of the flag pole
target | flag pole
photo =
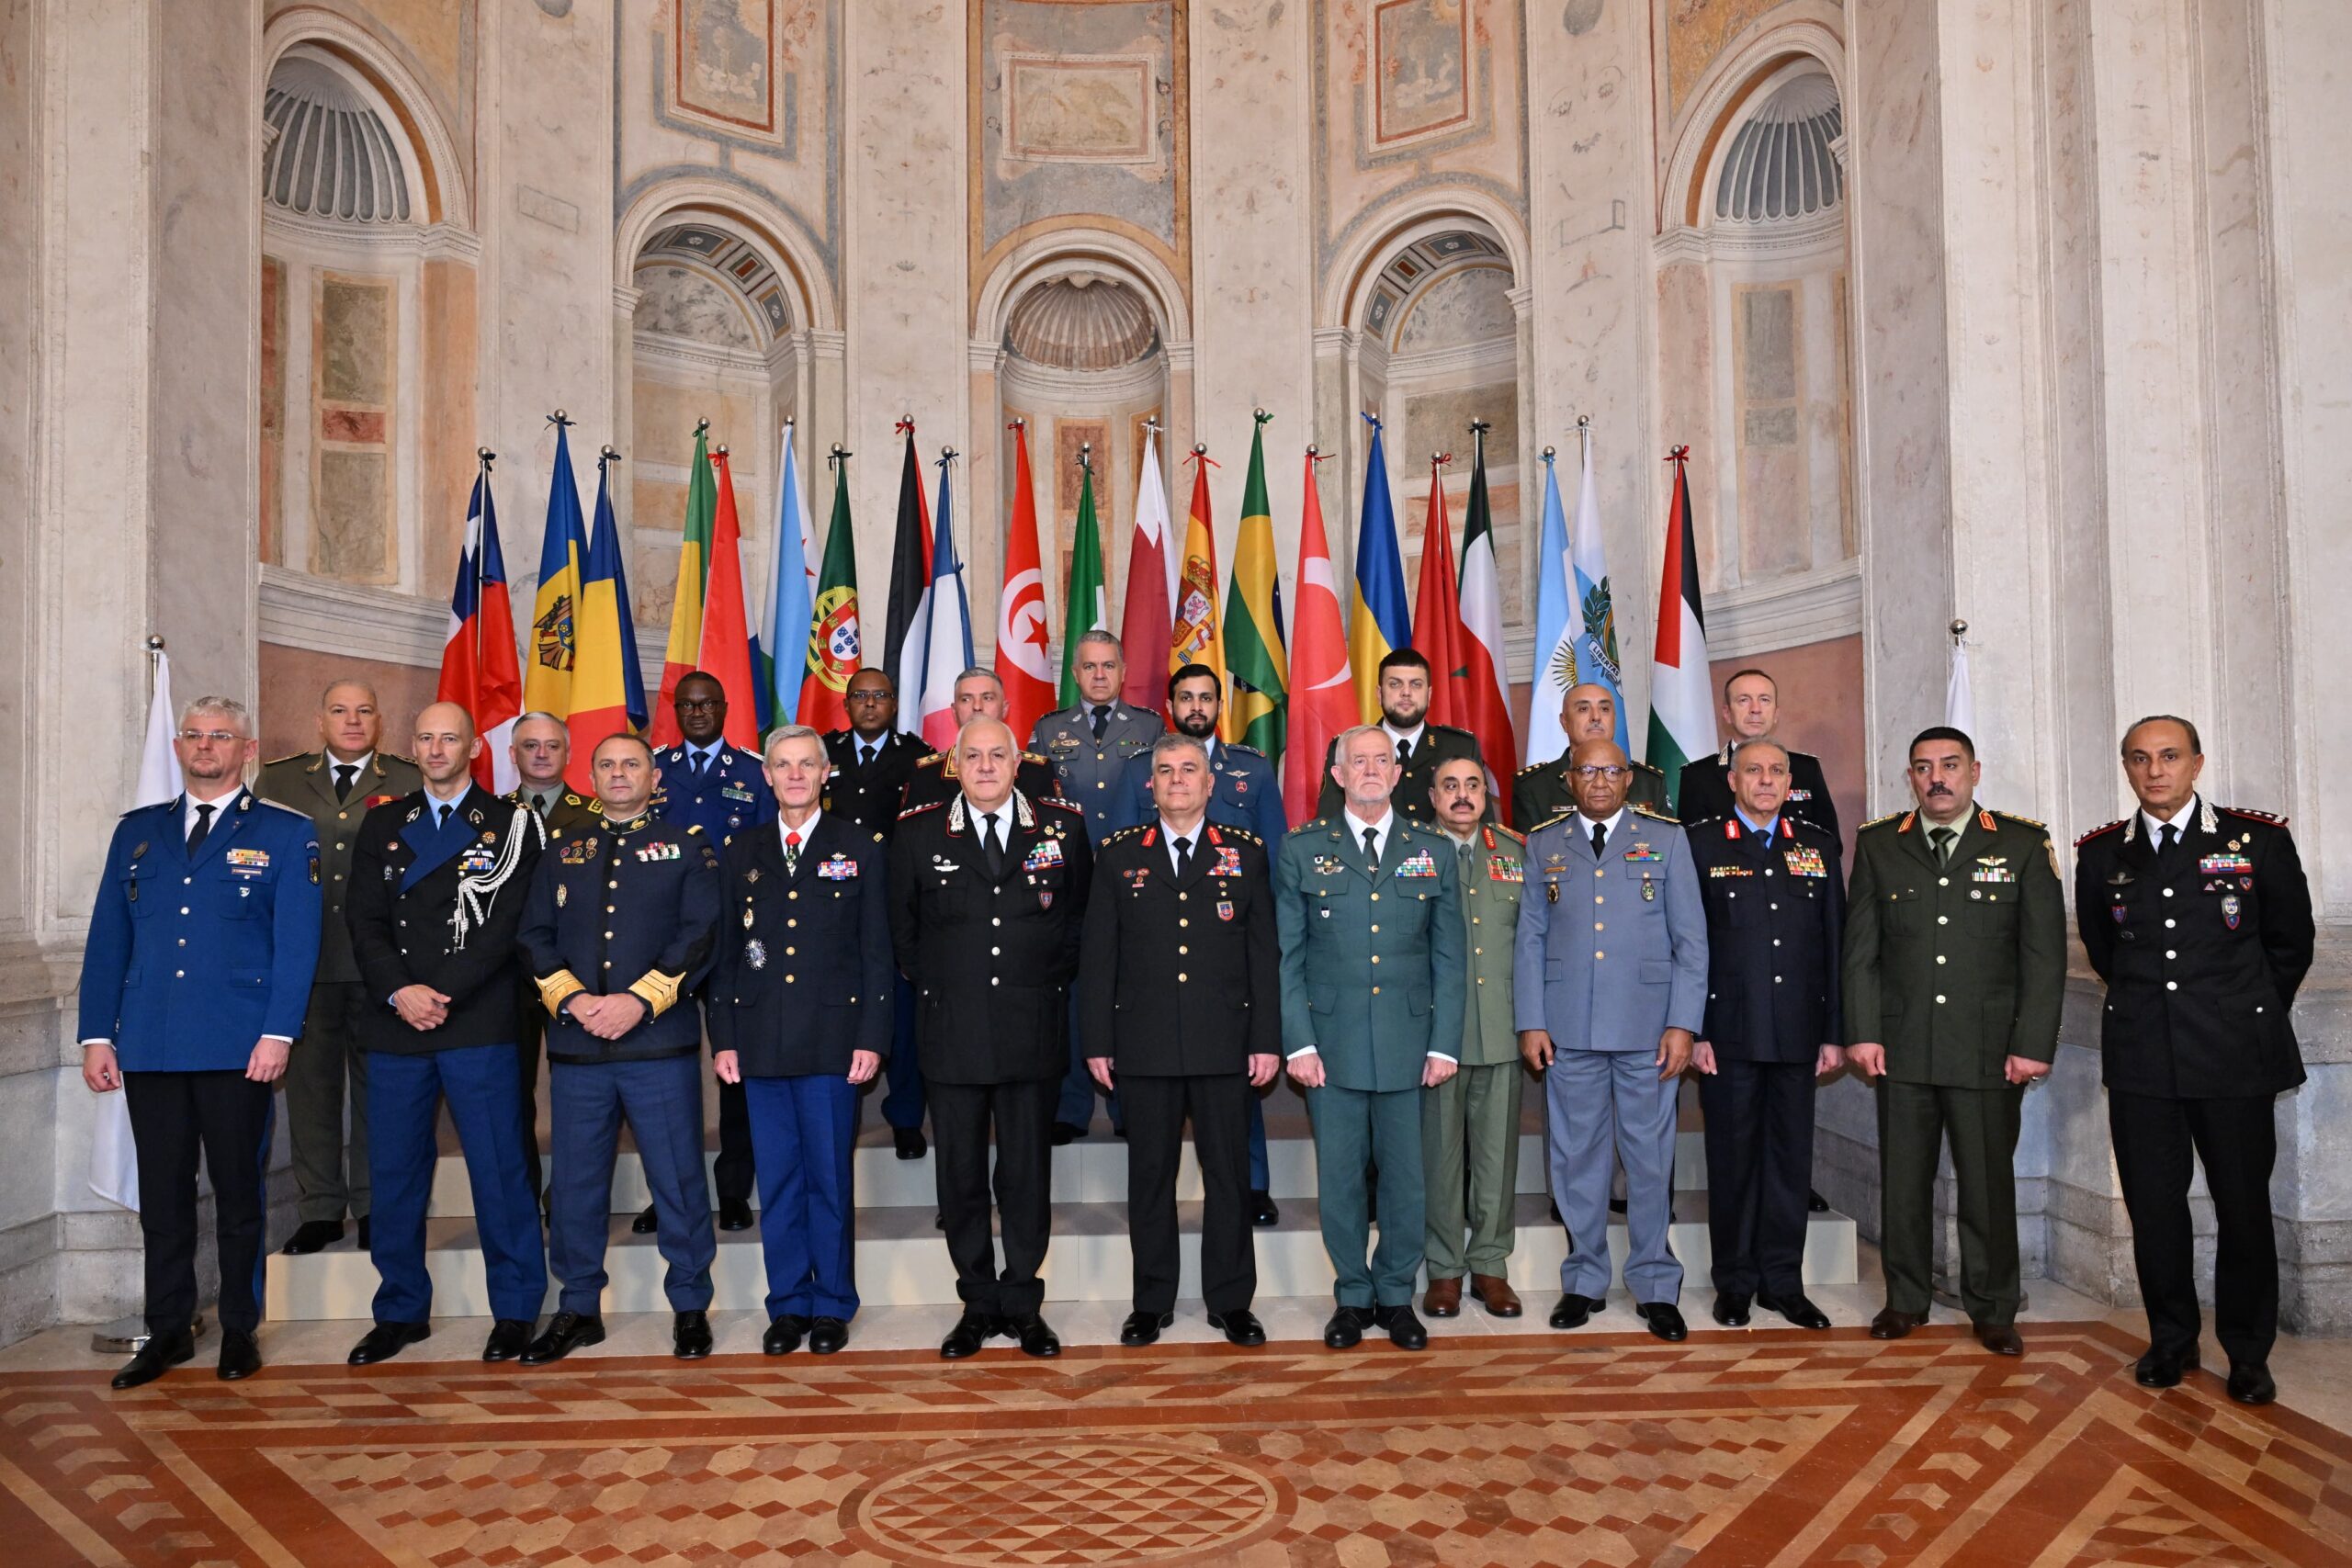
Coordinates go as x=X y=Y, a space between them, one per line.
x=487 y=457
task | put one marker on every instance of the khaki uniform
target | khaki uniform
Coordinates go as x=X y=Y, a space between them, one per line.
x=1470 y=1123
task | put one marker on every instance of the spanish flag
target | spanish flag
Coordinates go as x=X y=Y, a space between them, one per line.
x=679 y=659
x=1196 y=637
x=607 y=686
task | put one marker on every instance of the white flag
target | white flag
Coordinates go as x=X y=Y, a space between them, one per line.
x=1960 y=697
x=114 y=1161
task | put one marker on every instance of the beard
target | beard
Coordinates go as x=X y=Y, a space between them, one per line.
x=1200 y=727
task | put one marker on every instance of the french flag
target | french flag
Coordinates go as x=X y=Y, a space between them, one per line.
x=946 y=628
x=480 y=669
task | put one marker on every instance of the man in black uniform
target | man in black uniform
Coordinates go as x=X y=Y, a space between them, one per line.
x=541 y=745
x=1180 y=983
x=988 y=897
x=1543 y=790
x=978 y=695
x=2200 y=921
x=1751 y=710
x=873 y=760
x=1421 y=746
x=1776 y=919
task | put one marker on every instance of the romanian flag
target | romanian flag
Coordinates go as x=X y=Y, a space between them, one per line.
x=694 y=574
x=479 y=671
x=1377 y=625
x=607 y=685
x=1253 y=617
x=726 y=651
x=834 y=645
x=546 y=673
x=1196 y=637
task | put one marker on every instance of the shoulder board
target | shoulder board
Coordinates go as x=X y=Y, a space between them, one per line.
x=1069 y=805
x=2013 y=817
x=1532 y=768
x=1881 y=821
x=2251 y=815
x=289 y=757
x=1245 y=750
x=1453 y=730
x=156 y=805
x=1655 y=815
x=2103 y=828
x=838 y=733
x=383 y=756
x=1312 y=825
x=1548 y=821
x=1222 y=830
x=1654 y=771
x=1513 y=834
x=1034 y=757
x=1721 y=815
x=1123 y=834
x=281 y=805
x=931 y=758
x=919 y=810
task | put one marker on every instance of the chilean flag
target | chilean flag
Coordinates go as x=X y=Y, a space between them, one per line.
x=480 y=669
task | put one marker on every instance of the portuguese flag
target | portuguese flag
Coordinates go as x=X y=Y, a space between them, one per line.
x=833 y=646
x=1253 y=617
x=685 y=608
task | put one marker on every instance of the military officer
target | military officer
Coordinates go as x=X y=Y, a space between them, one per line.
x=1373 y=967
x=1955 y=964
x=978 y=695
x=800 y=1016
x=873 y=760
x=1544 y=790
x=2198 y=919
x=203 y=938
x=439 y=883
x=1776 y=913
x=336 y=786
x=619 y=930
x=1612 y=1032
x=1179 y=987
x=709 y=785
x=1420 y=745
x=1470 y=1123
x=988 y=897
x=542 y=746
x=1752 y=709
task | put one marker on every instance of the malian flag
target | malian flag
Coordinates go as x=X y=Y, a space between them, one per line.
x=685 y=647
x=480 y=671
x=607 y=683
x=1437 y=606
x=947 y=629
x=1322 y=696
x=726 y=650
x=1020 y=660
x=1485 y=701
x=1682 y=723
x=1146 y=620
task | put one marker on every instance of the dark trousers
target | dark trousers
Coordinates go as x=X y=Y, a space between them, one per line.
x=1219 y=1105
x=1913 y=1122
x=330 y=1164
x=226 y=1117
x=1075 y=1102
x=804 y=1130
x=902 y=1105
x=733 y=1172
x=404 y=1100
x=2236 y=1142
x=526 y=1064
x=1759 y=1168
x=1363 y=1137
x=661 y=1102
x=1022 y=1115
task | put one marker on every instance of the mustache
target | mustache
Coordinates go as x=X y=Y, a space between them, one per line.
x=1938 y=789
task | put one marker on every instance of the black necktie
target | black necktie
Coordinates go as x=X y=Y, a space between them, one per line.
x=1101 y=717
x=539 y=805
x=2171 y=836
x=991 y=846
x=702 y=764
x=1404 y=753
x=1599 y=838
x=1184 y=855
x=1765 y=833
x=1372 y=846
x=865 y=754
x=203 y=828
x=343 y=772
x=440 y=816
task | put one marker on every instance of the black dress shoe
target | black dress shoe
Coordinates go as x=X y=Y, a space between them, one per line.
x=1731 y=1308
x=386 y=1340
x=509 y=1337
x=1664 y=1320
x=1798 y=1309
x=644 y=1222
x=1263 y=1211
x=240 y=1354
x=366 y=1242
x=1066 y=1133
x=312 y=1235
x=1345 y=1331
x=2158 y=1369
x=1574 y=1311
x=1405 y=1330
x=1240 y=1327
x=2250 y=1383
x=828 y=1335
x=972 y=1330
x=1616 y=1205
x=567 y=1332
x=2000 y=1338
x=734 y=1213
x=784 y=1334
x=909 y=1142
x=159 y=1355
x=1143 y=1327
x=1893 y=1325
x=690 y=1336
x=1814 y=1202
x=1036 y=1335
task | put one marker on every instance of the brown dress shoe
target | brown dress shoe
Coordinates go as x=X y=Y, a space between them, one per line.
x=1444 y=1298
x=1494 y=1293
x=1999 y=1338
x=1893 y=1325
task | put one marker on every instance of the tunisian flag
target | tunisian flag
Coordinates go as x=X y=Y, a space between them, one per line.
x=1438 y=635
x=726 y=651
x=1020 y=662
x=1485 y=704
x=1322 y=691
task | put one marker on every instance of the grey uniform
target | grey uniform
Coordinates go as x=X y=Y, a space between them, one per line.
x=1087 y=769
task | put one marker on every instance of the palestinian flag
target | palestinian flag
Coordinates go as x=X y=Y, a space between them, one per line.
x=1682 y=723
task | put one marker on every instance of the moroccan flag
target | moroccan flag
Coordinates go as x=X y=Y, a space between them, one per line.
x=726 y=651
x=1485 y=702
x=1253 y=617
x=694 y=576
x=1145 y=622
x=1020 y=659
x=1377 y=625
x=1436 y=609
x=833 y=633
x=780 y=651
x=1085 y=608
x=1323 y=699
x=607 y=683
x=479 y=669
x=1682 y=723
x=546 y=673
x=1196 y=637
x=947 y=629
x=908 y=611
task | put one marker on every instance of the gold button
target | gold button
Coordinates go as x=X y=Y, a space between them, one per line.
x=1375 y=990
x=1939 y=958
x=608 y=936
x=1943 y=882
x=1180 y=978
x=1598 y=955
x=615 y=882
x=1183 y=951
x=1181 y=896
x=794 y=893
x=788 y=951
x=1478 y=951
x=1375 y=897
x=1482 y=979
x=1474 y=919
x=610 y=908
x=1597 y=871
x=790 y=979
x=1598 y=900
x=1375 y=931
x=1940 y=1000
x=1376 y=958
x=1181 y=923
x=1598 y=926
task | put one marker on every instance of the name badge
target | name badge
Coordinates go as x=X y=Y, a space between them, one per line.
x=841 y=868
x=1418 y=864
x=1505 y=868
x=1805 y=860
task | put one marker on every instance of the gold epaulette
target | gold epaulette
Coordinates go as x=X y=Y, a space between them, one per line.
x=1312 y=823
x=1650 y=768
x=2027 y=820
x=1532 y=768
x=1651 y=812
x=1549 y=821
x=931 y=759
x=1244 y=834
x=1878 y=821
x=1125 y=833
x=1069 y=805
x=1033 y=757
x=1513 y=834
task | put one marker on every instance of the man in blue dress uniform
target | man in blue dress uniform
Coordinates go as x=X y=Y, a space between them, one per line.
x=438 y=881
x=619 y=930
x=202 y=943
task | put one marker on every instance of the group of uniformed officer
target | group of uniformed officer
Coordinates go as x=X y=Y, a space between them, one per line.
x=1118 y=899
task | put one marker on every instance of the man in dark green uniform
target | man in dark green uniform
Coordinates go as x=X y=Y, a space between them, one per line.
x=1420 y=745
x=1541 y=791
x=542 y=746
x=1955 y=965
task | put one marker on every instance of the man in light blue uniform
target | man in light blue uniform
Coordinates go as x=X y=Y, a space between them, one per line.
x=203 y=940
x=1610 y=986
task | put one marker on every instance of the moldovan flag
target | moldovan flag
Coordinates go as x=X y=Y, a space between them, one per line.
x=1377 y=623
x=546 y=673
x=479 y=669
x=946 y=629
x=1486 y=704
x=694 y=573
x=909 y=610
x=1682 y=723
x=780 y=652
x=1258 y=668
x=1196 y=637
x=835 y=640
x=607 y=684
x=1087 y=608
x=1436 y=609
x=726 y=650
x=1323 y=701
x=1146 y=620
x=1020 y=659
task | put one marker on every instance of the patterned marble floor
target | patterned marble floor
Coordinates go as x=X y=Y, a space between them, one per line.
x=1763 y=1446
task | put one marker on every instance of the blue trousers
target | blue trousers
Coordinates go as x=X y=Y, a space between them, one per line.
x=902 y=1105
x=804 y=1129
x=661 y=1101
x=1596 y=1103
x=483 y=1086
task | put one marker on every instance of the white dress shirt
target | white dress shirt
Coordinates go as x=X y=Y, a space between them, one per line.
x=785 y=828
x=1585 y=825
x=2179 y=824
x=1174 y=832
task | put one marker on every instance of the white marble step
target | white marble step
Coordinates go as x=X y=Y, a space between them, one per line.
x=902 y=1261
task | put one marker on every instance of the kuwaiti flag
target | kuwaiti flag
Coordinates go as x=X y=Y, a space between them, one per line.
x=608 y=682
x=480 y=670
x=947 y=625
x=1021 y=657
x=1147 y=619
x=780 y=653
x=1682 y=723
x=1378 y=623
x=1322 y=698
x=1485 y=702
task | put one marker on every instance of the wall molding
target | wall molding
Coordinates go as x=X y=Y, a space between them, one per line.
x=323 y=616
x=1785 y=612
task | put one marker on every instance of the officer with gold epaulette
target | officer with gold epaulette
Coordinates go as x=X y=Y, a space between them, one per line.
x=978 y=695
x=542 y=746
x=1420 y=745
x=1543 y=791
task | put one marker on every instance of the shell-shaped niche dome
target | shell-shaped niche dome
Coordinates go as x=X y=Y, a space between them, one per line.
x=1782 y=163
x=1081 y=323
x=332 y=156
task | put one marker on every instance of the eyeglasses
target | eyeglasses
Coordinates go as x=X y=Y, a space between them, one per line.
x=1611 y=772
x=217 y=737
x=869 y=696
